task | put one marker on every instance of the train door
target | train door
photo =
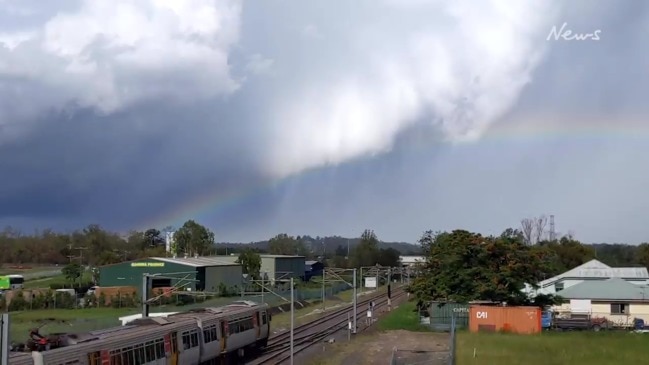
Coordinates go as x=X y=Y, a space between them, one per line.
x=257 y=324
x=171 y=347
x=94 y=358
x=224 y=333
x=105 y=357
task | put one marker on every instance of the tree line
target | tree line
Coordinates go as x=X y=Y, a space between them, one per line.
x=468 y=266
x=96 y=246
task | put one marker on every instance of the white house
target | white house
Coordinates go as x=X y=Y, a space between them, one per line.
x=411 y=260
x=591 y=270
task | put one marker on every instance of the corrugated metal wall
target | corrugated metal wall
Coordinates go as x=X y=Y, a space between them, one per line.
x=442 y=313
x=230 y=276
x=523 y=320
x=130 y=273
x=294 y=265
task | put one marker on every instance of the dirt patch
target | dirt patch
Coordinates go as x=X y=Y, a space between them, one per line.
x=379 y=347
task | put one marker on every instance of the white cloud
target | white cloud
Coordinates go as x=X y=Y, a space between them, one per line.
x=312 y=31
x=108 y=54
x=257 y=64
x=466 y=64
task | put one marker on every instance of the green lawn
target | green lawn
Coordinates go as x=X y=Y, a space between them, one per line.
x=65 y=320
x=550 y=348
x=404 y=317
x=40 y=283
x=7 y=270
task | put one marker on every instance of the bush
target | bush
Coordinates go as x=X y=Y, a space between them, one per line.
x=18 y=302
x=79 y=287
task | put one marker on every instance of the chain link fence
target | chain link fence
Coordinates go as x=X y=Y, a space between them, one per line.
x=428 y=357
x=52 y=320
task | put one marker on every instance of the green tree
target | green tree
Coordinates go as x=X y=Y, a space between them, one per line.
x=642 y=257
x=566 y=254
x=250 y=263
x=366 y=252
x=463 y=266
x=283 y=244
x=388 y=257
x=193 y=239
x=72 y=272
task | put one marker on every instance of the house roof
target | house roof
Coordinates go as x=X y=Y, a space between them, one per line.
x=614 y=289
x=197 y=261
x=595 y=269
x=311 y=262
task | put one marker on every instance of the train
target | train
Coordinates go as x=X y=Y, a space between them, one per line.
x=204 y=336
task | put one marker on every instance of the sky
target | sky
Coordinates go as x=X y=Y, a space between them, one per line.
x=325 y=117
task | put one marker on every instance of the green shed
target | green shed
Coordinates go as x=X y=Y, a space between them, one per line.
x=195 y=273
x=441 y=314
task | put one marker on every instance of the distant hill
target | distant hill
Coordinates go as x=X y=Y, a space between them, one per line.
x=331 y=244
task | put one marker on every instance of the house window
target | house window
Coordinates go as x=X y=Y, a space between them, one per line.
x=558 y=286
x=619 y=308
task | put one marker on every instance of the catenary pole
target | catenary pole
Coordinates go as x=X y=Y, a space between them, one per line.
x=292 y=319
x=355 y=301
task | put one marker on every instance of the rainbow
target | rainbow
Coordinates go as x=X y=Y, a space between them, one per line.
x=537 y=130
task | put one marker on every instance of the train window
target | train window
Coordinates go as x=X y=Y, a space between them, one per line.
x=264 y=319
x=149 y=351
x=241 y=325
x=190 y=339
x=128 y=356
x=210 y=334
x=139 y=354
x=174 y=342
x=160 y=350
x=94 y=358
x=116 y=358
x=140 y=357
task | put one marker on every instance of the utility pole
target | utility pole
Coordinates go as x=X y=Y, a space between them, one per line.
x=262 y=287
x=145 y=295
x=323 y=289
x=361 y=279
x=292 y=318
x=70 y=256
x=81 y=254
x=4 y=350
x=355 y=301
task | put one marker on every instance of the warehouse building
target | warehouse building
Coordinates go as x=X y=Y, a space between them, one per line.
x=276 y=267
x=194 y=273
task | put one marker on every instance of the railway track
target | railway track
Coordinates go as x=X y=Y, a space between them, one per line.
x=312 y=333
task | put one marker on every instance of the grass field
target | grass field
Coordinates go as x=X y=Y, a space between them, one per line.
x=45 y=282
x=64 y=320
x=404 y=317
x=550 y=348
x=7 y=270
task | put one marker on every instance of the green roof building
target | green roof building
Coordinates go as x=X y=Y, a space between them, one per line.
x=194 y=274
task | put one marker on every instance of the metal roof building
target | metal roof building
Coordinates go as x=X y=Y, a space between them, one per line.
x=614 y=289
x=191 y=273
x=276 y=267
x=592 y=270
x=411 y=260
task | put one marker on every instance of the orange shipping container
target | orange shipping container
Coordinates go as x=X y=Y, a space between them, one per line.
x=523 y=320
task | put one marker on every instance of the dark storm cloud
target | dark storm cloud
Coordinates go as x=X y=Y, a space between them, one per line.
x=177 y=108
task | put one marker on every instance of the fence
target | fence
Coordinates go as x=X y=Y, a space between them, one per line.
x=446 y=356
x=102 y=318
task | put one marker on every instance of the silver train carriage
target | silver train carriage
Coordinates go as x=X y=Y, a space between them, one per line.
x=198 y=337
